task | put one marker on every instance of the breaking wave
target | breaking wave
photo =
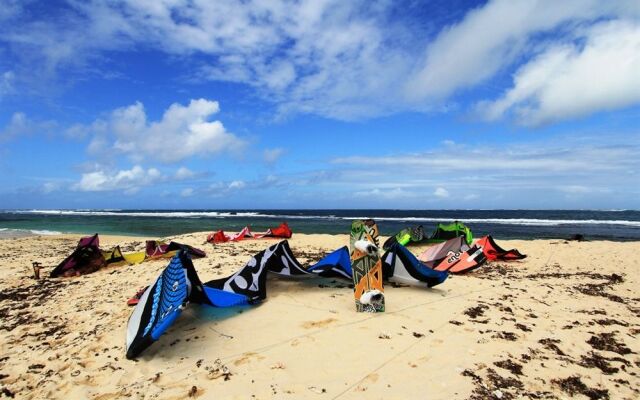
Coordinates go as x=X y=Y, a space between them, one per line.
x=255 y=214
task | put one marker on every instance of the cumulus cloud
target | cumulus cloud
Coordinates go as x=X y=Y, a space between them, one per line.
x=270 y=156
x=21 y=125
x=385 y=194
x=6 y=83
x=181 y=133
x=493 y=36
x=184 y=173
x=125 y=180
x=49 y=187
x=345 y=60
x=237 y=185
x=441 y=192
x=187 y=192
x=562 y=166
x=575 y=79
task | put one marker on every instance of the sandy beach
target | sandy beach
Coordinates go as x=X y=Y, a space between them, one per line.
x=563 y=322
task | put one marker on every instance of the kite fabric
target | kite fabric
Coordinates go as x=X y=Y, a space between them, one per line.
x=88 y=257
x=281 y=231
x=407 y=236
x=433 y=255
x=161 y=303
x=445 y=232
x=85 y=259
x=458 y=262
x=494 y=252
x=399 y=265
x=179 y=284
x=160 y=249
x=250 y=281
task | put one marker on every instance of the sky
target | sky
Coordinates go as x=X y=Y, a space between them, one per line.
x=449 y=104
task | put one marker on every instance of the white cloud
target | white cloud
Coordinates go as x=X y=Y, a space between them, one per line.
x=574 y=80
x=492 y=37
x=128 y=181
x=377 y=194
x=187 y=192
x=6 y=83
x=237 y=185
x=50 y=187
x=181 y=133
x=184 y=173
x=270 y=156
x=590 y=166
x=21 y=125
x=346 y=60
x=441 y=192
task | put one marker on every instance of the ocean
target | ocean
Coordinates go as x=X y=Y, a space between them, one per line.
x=620 y=225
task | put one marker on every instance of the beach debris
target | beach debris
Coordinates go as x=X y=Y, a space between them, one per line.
x=550 y=344
x=317 y=390
x=384 y=336
x=193 y=391
x=477 y=311
x=523 y=327
x=509 y=365
x=218 y=370
x=156 y=377
x=510 y=336
x=607 y=341
x=6 y=392
x=418 y=334
x=36 y=269
x=573 y=385
x=278 y=365
x=597 y=360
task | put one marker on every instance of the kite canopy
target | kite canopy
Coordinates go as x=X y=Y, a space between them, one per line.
x=494 y=252
x=281 y=231
x=160 y=305
x=445 y=232
x=113 y=256
x=158 y=249
x=399 y=265
x=250 y=281
x=438 y=252
x=179 y=284
x=457 y=262
x=86 y=258
x=407 y=236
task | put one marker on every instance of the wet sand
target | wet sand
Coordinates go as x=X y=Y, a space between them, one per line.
x=563 y=322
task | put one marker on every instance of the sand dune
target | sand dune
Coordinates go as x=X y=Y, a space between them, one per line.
x=565 y=321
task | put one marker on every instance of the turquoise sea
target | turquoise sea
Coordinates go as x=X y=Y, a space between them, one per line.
x=506 y=224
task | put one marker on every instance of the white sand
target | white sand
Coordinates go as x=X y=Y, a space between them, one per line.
x=64 y=338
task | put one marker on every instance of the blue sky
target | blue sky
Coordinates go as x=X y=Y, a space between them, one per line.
x=320 y=104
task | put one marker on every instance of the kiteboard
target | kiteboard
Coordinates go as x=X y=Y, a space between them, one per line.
x=366 y=266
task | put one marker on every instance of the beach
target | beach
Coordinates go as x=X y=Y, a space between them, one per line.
x=563 y=322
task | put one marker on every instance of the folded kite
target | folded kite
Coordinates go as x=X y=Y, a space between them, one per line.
x=445 y=232
x=405 y=237
x=85 y=259
x=160 y=249
x=281 y=231
x=179 y=284
x=458 y=262
x=494 y=252
x=88 y=257
x=399 y=265
x=438 y=252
